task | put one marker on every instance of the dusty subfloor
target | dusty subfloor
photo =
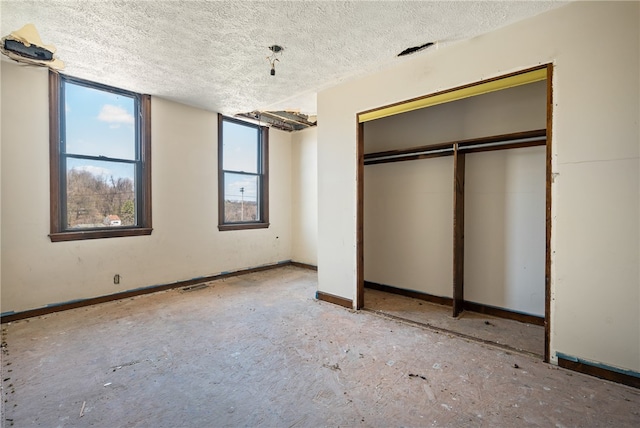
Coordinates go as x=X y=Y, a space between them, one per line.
x=258 y=350
x=508 y=333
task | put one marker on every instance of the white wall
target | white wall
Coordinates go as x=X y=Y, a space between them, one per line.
x=595 y=279
x=185 y=242
x=521 y=108
x=336 y=197
x=504 y=239
x=408 y=225
x=304 y=180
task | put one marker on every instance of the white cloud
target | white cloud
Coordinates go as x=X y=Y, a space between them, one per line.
x=115 y=114
x=95 y=170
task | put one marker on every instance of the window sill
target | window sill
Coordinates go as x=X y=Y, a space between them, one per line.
x=241 y=226
x=98 y=234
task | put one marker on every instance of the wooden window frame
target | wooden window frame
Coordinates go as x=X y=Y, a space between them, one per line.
x=263 y=173
x=59 y=232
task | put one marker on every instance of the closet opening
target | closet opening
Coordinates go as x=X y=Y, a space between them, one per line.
x=454 y=210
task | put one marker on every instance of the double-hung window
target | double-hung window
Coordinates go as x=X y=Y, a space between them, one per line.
x=243 y=180
x=100 y=160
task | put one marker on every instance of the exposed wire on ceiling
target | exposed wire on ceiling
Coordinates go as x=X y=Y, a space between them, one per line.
x=276 y=51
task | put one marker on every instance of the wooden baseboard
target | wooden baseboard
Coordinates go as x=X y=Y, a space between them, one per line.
x=336 y=300
x=16 y=316
x=502 y=313
x=613 y=375
x=304 y=265
x=447 y=301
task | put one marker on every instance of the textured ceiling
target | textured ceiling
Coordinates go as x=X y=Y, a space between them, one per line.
x=212 y=54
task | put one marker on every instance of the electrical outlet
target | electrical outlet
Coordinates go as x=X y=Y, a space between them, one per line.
x=116 y=279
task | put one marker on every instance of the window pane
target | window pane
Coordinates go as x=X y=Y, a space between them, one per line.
x=240 y=198
x=99 y=123
x=240 y=147
x=100 y=194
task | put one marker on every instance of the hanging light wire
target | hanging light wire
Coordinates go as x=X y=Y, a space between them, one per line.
x=276 y=51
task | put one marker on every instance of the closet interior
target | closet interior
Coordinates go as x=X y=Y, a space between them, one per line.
x=454 y=212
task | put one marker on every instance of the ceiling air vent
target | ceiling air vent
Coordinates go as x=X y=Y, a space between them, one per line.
x=412 y=50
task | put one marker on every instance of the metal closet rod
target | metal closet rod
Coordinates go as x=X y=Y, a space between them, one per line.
x=441 y=152
x=495 y=142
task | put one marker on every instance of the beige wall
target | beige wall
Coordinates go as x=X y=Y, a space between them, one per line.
x=304 y=181
x=504 y=229
x=408 y=225
x=1 y=110
x=595 y=279
x=522 y=108
x=185 y=242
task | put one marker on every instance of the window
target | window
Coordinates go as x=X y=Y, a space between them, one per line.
x=100 y=160
x=243 y=180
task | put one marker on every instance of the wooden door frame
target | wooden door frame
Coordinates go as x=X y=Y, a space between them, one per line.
x=549 y=180
x=458 y=292
x=359 y=300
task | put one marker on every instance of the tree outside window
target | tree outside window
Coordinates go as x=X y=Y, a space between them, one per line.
x=100 y=161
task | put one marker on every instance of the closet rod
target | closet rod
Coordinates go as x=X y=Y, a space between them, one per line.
x=504 y=145
x=495 y=142
x=409 y=151
x=413 y=156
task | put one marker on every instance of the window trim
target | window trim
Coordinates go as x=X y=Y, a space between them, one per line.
x=58 y=232
x=263 y=191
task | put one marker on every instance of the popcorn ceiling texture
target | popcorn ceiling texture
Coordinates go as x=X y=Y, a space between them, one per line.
x=213 y=54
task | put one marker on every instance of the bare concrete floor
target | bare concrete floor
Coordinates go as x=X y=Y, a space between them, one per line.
x=258 y=350
x=510 y=333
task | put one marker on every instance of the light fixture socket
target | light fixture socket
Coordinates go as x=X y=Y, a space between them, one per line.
x=276 y=51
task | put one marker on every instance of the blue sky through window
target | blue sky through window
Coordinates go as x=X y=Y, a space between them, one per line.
x=235 y=183
x=100 y=123
x=240 y=153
